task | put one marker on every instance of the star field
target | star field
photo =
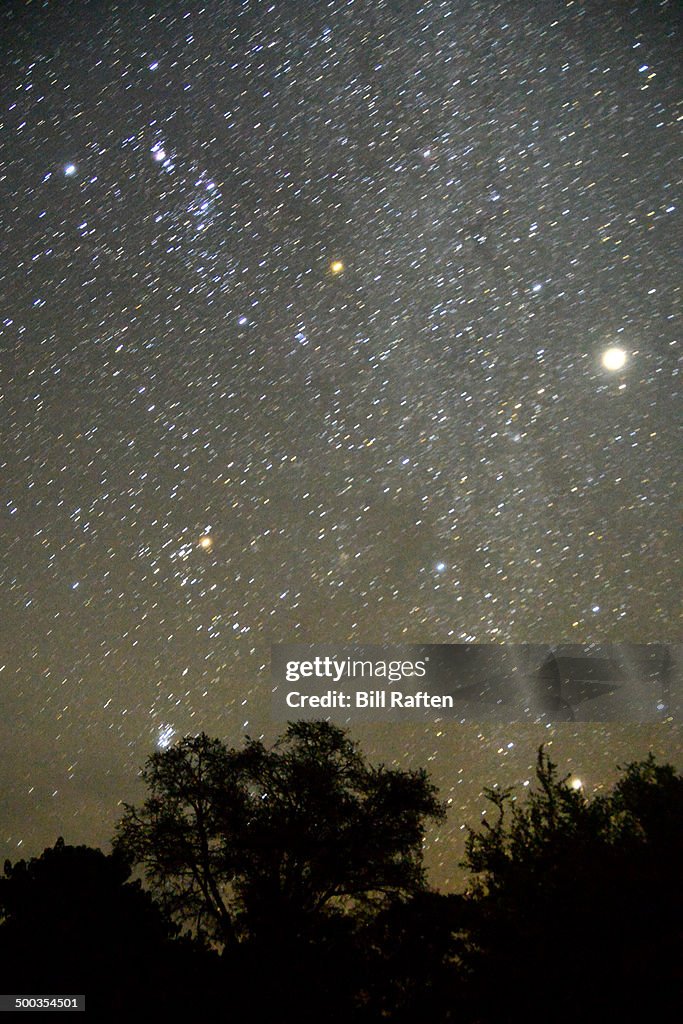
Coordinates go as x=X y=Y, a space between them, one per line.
x=326 y=322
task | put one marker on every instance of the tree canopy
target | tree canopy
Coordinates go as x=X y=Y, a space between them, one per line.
x=304 y=863
x=578 y=895
x=72 y=921
x=266 y=840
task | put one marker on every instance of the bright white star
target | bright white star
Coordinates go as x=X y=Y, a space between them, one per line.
x=614 y=358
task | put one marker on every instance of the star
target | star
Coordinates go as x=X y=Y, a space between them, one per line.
x=297 y=308
x=614 y=358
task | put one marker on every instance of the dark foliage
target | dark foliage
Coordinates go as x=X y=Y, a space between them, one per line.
x=306 y=863
x=72 y=922
x=411 y=967
x=264 y=843
x=578 y=902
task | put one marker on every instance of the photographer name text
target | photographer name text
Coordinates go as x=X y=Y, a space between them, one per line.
x=368 y=699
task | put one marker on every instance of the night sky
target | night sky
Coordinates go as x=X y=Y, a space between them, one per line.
x=326 y=322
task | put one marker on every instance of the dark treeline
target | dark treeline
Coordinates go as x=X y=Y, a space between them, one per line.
x=288 y=882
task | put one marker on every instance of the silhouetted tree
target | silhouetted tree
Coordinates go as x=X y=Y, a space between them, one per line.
x=72 y=922
x=264 y=843
x=577 y=904
x=410 y=971
x=305 y=863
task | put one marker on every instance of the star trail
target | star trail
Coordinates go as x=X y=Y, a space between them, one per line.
x=327 y=322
